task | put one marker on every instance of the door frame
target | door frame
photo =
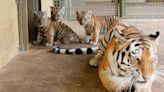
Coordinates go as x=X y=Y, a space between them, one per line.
x=23 y=25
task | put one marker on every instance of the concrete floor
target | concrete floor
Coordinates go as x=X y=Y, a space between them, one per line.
x=38 y=70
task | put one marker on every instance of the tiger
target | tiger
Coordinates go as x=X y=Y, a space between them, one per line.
x=40 y=24
x=95 y=25
x=129 y=61
x=60 y=31
x=41 y=21
x=57 y=13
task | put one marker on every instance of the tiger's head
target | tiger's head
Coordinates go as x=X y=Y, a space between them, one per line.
x=139 y=55
x=57 y=13
x=83 y=17
x=40 y=20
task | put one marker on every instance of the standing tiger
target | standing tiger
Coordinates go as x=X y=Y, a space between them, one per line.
x=128 y=59
x=95 y=24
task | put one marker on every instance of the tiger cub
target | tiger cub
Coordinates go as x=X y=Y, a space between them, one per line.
x=129 y=61
x=60 y=31
x=95 y=24
x=40 y=24
x=41 y=21
x=57 y=13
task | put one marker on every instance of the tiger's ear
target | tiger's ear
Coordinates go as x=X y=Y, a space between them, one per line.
x=45 y=13
x=35 y=13
x=88 y=15
x=51 y=7
x=62 y=10
x=77 y=12
x=119 y=35
x=155 y=37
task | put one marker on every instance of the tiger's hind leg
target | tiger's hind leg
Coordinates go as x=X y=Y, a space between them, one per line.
x=64 y=40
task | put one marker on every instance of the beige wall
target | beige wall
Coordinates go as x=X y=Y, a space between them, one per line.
x=45 y=5
x=8 y=31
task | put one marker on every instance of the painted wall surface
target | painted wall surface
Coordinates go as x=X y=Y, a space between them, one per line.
x=8 y=31
x=45 y=5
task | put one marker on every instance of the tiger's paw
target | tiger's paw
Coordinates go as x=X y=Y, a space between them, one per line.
x=93 y=43
x=94 y=62
x=48 y=44
x=35 y=42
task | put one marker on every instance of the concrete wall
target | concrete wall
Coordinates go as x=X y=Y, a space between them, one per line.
x=8 y=31
x=45 y=5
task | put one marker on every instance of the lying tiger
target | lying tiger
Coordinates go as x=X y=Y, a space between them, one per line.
x=128 y=59
x=95 y=24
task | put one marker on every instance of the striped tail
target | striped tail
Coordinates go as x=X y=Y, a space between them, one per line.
x=75 y=51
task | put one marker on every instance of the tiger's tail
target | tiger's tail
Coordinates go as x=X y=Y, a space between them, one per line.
x=74 y=51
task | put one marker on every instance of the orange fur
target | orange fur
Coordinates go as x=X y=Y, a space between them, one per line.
x=115 y=79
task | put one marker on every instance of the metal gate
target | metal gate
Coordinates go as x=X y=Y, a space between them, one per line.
x=138 y=9
x=143 y=9
x=98 y=7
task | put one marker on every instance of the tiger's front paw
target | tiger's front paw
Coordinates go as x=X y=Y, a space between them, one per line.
x=35 y=42
x=92 y=43
x=48 y=44
x=94 y=62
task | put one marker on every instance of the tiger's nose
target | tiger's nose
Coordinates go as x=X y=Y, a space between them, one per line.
x=146 y=77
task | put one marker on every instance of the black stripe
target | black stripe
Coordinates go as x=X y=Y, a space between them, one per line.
x=118 y=55
x=128 y=90
x=67 y=52
x=122 y=69
x=114 y=52
x=105 y=40
x=58 y=51
x=110 y=35
x=78 y=51
x=103 y=45
x=137 y=44
x=127 y=48
x=119 y=67
x=89 y=51
x=123 y=54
